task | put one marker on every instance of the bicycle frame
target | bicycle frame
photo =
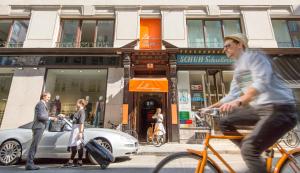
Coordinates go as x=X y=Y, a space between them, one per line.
x=204 y=153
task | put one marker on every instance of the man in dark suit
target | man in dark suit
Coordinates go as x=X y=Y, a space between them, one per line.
x=41 y=117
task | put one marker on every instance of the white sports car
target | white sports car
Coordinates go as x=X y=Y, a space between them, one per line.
x=15 y=143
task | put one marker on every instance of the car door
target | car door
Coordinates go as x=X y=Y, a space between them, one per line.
x=53 y=142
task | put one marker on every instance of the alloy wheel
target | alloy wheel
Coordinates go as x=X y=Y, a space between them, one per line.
x=10 y=152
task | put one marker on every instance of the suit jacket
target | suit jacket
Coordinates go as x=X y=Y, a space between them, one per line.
x=41 y=116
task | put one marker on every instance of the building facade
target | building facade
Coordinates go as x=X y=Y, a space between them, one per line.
x=128 y=58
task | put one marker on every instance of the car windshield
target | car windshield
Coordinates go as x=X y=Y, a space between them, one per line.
x=26 y=126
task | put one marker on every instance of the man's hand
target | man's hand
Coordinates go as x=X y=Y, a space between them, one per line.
x=53 y=118
x=229 y=107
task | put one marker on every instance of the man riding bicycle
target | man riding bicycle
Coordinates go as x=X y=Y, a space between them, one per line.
x=257 y=97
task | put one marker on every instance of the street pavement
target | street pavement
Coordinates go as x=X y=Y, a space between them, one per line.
x=136 y=164
x=144 y=162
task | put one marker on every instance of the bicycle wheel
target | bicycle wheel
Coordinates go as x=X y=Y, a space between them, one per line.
x=183 y=162
x=132 y=133
x=291 y=166
x=291 y=139
x=158 y=140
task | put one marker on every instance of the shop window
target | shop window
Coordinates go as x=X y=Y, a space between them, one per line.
x=87 y=33
x=13 y=32
x=68 y=86
x=210 y=33
x=199 y=89
x=5 y=82
x=287 y=32
x=112 y=61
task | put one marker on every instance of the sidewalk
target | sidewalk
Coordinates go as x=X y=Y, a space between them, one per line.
x=223 y=147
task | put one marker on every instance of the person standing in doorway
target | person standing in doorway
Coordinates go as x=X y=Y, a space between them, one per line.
x=41 y=117
x=159 y=121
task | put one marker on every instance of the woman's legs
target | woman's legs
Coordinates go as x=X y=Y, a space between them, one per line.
x=80 y=155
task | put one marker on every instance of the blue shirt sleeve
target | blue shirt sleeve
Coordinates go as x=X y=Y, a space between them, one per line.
x=234 y=92
x=261 y=70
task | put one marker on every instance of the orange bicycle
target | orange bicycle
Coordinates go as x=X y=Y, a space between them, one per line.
x=193 y=161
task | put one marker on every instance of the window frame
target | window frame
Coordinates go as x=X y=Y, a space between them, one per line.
x=79 y=30
x=286 y=22
x=204 y=27
x=11 y=29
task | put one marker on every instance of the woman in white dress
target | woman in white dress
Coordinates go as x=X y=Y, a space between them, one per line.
x=159 y=122
x=76 y=137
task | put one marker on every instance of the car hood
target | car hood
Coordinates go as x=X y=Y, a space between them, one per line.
x=111 y=131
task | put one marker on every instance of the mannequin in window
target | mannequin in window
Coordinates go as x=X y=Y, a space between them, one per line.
x=88 y=108
x=55 y=106
x=99 y=117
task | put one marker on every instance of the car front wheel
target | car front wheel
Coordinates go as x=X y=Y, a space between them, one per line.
x=10 y=152
x=105 y=144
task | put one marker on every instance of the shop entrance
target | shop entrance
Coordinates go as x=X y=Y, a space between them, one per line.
x=146 y=108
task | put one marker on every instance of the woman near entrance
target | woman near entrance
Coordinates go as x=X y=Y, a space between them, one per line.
x=159 y=127
x=76 y=138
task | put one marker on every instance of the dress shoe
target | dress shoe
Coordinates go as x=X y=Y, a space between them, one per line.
x=31 y=167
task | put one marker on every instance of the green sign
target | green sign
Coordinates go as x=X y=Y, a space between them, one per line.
x=203 y=60
x=184 y=115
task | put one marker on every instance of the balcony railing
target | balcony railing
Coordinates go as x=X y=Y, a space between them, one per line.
x=205 y=44
x=152 y=43
x=11 y=45
x=100 y=44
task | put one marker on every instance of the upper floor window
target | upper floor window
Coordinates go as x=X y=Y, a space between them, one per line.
x=87 y=33
x=13 y=32
x=210 y=33
x=287 y=32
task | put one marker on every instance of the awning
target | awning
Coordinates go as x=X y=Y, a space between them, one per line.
x=148 y=85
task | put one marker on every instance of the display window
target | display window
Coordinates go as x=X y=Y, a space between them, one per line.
x=199 y=89
x=68 y=85
x=6 y=76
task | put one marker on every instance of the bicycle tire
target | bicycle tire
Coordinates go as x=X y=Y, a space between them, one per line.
x=288 y=166
x=291 y=139
x=184 y=162
x=132 y=133
x=158 y=140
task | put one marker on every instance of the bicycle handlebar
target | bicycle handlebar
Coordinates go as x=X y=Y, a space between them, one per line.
x=214 y=112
